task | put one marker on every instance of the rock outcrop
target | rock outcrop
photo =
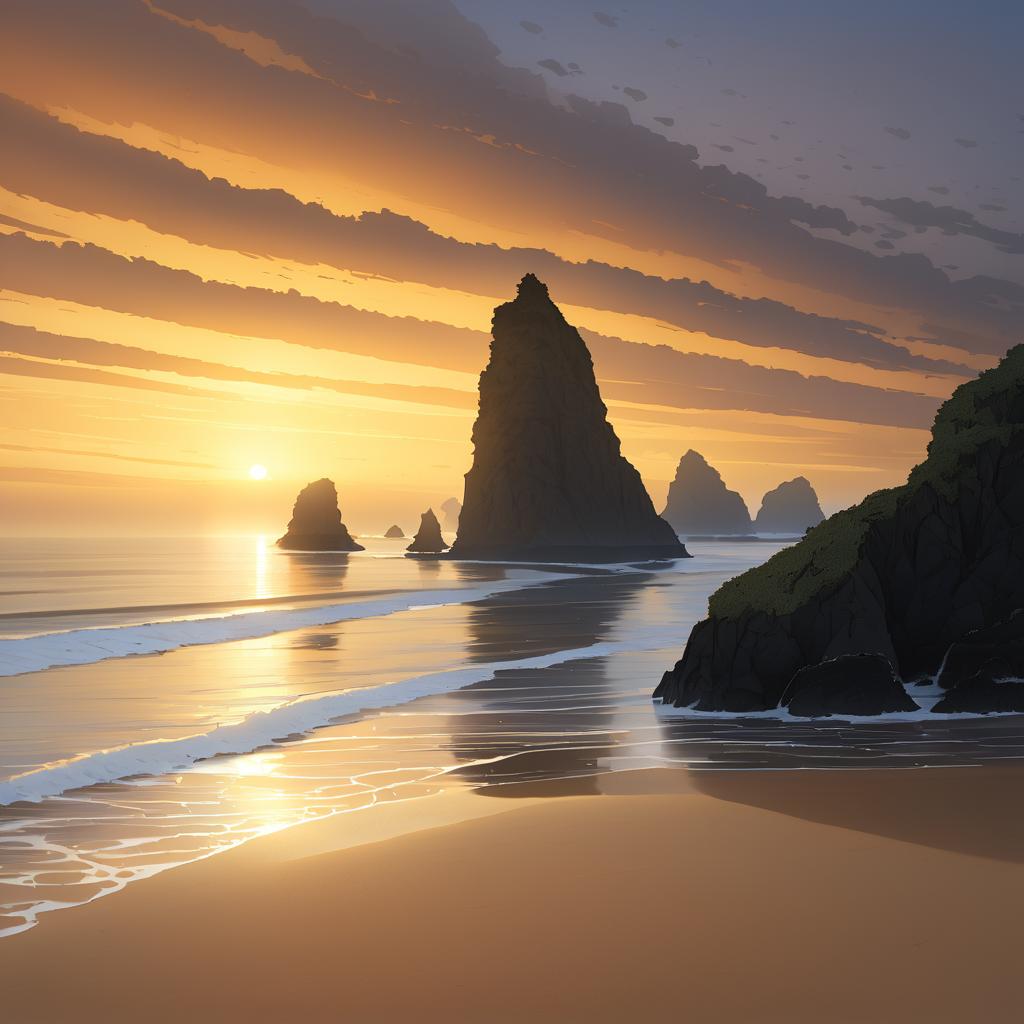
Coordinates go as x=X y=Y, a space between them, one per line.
x=394 y=533
x=316 y=521
x=978 y=670
x=904 y=575
x=548 y=479
x=791 y=509
x=450 y=510
x=428 y=537
x=699 y=503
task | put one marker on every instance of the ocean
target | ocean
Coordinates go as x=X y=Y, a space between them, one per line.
x=163 y=700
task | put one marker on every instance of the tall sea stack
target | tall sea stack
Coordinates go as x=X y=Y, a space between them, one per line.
x=915 y=582
x=428 y=539
x=450 y=509
x=792 y=508
x=548 y=480
x=699 y=503
x=316 y=521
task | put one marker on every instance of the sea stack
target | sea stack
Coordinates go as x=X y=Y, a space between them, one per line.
x=394 y=533
x=428 y=537
x=316 y=521
x=548 y=480
x=915 y=582
x=699 y=503
x=792 y=509
x=450 y=510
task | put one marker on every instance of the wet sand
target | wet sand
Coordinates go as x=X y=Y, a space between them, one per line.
x=753 y=897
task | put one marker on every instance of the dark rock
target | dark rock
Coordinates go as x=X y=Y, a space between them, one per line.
x=982 y=697
x=548 y=480
x=394 y=533
x=450 y=511
x=852 y=684
x=316 y=521
x=699 y=503
x=792 y=509
x=902 y=575
x=976 y=668
x=428 y=537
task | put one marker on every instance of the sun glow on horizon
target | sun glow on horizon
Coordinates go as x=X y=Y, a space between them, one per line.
x=257 y=471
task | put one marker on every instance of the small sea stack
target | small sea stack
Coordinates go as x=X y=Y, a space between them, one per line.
x=316 y=521
x=791 y=509
x=394 y=533
x=548 y=480
x=700 y=505
x=428 y=539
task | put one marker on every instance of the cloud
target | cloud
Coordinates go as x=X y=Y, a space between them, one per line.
x=900 y=133
x=966 y=143
x=606 y=19
x=531 y=27
x=668 y=122
x=940 y=190
x=921 y=215
x=552 y=65
x=634 y=94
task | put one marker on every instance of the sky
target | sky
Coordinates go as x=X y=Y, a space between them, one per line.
x=254 y=232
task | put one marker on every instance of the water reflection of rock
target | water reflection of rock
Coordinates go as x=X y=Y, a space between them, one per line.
x=316 y=572
x=541 y=724
x=739 y=760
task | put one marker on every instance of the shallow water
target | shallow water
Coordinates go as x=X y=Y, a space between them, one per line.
x=514 y=676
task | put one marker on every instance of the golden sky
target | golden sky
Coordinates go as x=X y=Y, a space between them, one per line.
x=236 y=234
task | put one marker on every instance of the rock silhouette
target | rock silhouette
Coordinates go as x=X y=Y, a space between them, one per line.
x=316 y=521
x=926 y=576
x=394 y=533
x=548 y=480
x=792 y=508
x=450 y=510
x=699 y=503
x=428 y=537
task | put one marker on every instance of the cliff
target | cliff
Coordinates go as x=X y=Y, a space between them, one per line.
x=548 y=479
x=316 y=521
x=905 y=575
x=792 y=508
x=428 y=537
x=699 y=503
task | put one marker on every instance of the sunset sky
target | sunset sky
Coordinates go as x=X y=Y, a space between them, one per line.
x=238 y=232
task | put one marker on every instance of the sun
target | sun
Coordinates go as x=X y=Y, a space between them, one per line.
x=258 y=472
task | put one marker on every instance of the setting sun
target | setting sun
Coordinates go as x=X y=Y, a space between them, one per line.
x=258 y=472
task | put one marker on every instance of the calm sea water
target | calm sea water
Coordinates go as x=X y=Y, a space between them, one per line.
x=286 y=686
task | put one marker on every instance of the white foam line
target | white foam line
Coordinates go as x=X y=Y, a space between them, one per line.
x=86 y=646
x=263 y=728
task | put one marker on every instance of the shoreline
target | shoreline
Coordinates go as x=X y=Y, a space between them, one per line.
x=662 y=894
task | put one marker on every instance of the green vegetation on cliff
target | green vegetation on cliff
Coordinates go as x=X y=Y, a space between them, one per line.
x=979 y=411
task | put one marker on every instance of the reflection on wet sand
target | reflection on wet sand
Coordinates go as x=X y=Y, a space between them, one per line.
x=541 y=725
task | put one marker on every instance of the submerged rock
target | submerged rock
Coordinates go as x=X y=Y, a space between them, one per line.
x=699 y=503
x=450 y=511
x=903 y=575
x=852 y=684
x=548 y=479
x=394 y=533
x=316 y=521
x=428 y=537
x=792 y=508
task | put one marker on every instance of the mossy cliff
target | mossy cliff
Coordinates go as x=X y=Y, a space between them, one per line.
x=903 y=574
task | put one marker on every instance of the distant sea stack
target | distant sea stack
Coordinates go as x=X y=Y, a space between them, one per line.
x=792 y=508
x=394 y=533
x=699 y=503
x=316 y=521
x=428 y=537
x=919 y=578
x=548 y=480
x=450 y=510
